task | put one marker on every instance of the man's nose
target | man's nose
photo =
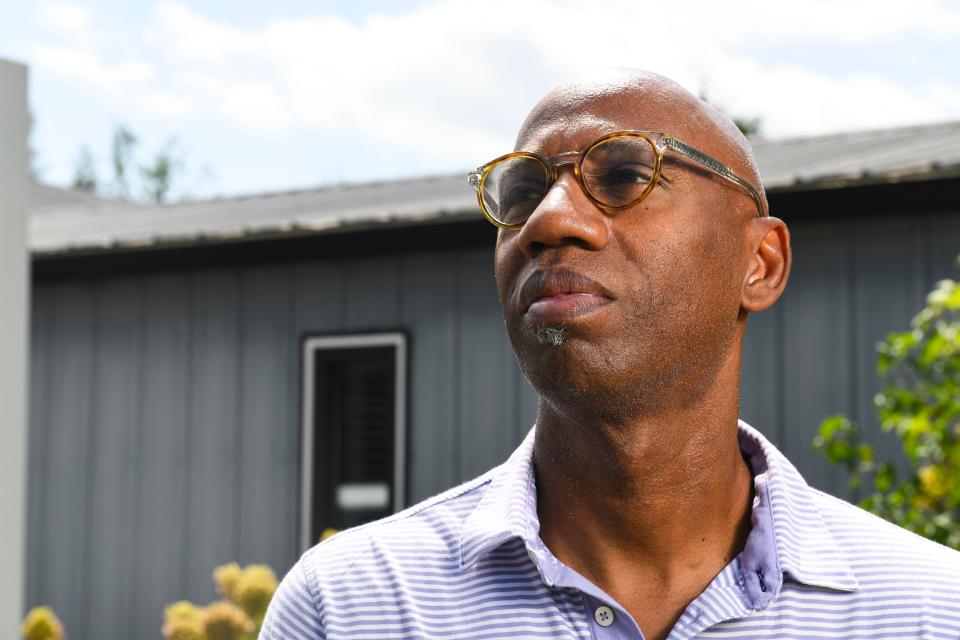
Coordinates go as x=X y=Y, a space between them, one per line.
x=565 y=216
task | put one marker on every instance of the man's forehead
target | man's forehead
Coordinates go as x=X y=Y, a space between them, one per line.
x=566 y=122
x=567 y=133
x=580 y=111
x=572 y=132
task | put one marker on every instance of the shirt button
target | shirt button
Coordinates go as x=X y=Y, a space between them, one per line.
x=603 y=616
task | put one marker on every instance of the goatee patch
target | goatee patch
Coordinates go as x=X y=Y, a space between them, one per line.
x=551 y=335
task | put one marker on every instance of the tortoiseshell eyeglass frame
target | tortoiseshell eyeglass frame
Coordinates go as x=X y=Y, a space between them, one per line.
x=660 y=142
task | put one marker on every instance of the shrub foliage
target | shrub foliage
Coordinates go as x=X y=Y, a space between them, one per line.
x=920 y=403
x=246 y=591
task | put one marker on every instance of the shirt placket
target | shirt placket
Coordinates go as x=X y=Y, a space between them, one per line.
x=721 y=601
x=715 y=605
x=608 y=620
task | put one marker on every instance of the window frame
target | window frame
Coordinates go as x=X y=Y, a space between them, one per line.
x=310 y=346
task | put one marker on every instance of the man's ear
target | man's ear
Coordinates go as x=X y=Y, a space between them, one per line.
x=768 y=243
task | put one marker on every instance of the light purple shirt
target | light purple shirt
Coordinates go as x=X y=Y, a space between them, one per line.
x=469 y=563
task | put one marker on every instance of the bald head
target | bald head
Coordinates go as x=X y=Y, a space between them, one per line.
x=646 y=101
x=650 y=300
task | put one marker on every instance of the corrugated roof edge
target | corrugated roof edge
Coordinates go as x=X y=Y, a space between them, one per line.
x=323 y=188
x=103 y=227
x=867 y=132
x=264 y=232
x=933 y=171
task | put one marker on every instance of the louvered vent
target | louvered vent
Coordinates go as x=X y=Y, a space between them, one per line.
x=355 y=436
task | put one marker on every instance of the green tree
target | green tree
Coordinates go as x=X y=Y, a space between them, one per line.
x=748 y=126
x=85 y=171
x=920 y=403
x=157 y=176
x=150 y=181
x=122 y=148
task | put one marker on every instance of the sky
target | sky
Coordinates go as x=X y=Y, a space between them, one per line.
x=290 y=94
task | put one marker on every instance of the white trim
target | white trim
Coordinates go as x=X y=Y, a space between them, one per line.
x=366 y=340
x=14 y=344
x=363 y=495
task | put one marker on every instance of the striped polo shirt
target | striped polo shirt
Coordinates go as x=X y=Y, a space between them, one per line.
x=469 y=563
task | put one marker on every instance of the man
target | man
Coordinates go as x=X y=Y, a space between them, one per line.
x=634 y=242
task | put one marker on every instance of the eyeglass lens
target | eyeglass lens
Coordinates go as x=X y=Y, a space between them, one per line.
x=615 y=172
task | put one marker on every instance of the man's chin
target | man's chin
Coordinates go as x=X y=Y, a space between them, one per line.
x=551 y=336
x=557 y=359
x=548 y=344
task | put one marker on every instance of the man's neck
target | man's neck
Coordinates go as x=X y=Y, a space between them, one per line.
x=649 y=509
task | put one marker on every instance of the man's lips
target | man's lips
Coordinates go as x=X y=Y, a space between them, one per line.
x=565 y=306
x=561 y=294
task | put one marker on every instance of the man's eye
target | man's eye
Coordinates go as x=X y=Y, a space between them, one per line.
x=520 y=199
x=623 y=175
x=618 y=184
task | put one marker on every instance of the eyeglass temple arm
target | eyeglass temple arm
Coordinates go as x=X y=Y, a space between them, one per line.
x=716 y=166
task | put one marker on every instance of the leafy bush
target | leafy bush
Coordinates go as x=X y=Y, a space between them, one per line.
x=247 y=592
x=920 y=403
x=42 y=624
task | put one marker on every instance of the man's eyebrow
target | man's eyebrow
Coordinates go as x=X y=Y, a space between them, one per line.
x=667 y=160
x=684 y=164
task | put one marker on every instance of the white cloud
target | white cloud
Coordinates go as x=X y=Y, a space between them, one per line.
x=453 y=79
x=686 y=22
x=185 y=35
x=94 y=72
x=794 y=100
x=66 y=19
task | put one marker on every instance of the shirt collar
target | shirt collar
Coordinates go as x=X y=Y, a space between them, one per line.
x=508 y=508
x=788 y=534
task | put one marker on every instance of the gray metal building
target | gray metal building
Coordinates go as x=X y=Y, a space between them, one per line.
x=183 y=358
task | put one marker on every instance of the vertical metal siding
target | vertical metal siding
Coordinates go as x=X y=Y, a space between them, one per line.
x=165 y=407
x=817 y=342
x=372 y=293
x=941 y=232
x=429 y=309
x=37 y=439
x=761 y=373
x=211 y=511
x=888 y=291
x=267 y=426
x=160 y=534
x=486 y=390
x=63 y=528
x=115 y=466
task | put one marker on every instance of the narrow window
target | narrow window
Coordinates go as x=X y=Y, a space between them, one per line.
x=353 y=431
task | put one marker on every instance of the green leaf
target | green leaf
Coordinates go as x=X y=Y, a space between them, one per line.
x=920 y=405
x=886 y=476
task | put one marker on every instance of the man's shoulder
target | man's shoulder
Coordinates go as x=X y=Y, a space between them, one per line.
x=358 y=568
x=428 y=529
x=880 y=551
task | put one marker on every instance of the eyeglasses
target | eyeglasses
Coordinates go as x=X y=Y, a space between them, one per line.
x=616 y=171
